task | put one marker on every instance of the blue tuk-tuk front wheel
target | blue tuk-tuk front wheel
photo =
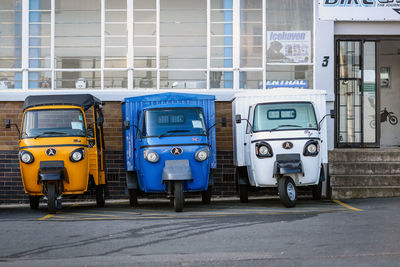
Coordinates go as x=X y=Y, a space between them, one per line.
x=178 y=196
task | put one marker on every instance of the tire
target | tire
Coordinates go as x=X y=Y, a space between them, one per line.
x=206 y=195
x=100 y=196
x=178 y=196
x=133 y=197
x=51 y=198
x=317 y=191
x=393 y=120
x=34 y=202
x=243 y=193
x=287 y=191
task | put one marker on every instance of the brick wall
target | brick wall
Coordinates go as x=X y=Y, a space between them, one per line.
x=11 y=189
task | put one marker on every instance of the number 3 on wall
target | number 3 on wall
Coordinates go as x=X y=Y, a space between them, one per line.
x=325 y=61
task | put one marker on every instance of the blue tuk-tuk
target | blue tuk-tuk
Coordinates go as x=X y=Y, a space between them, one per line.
x=169 y=145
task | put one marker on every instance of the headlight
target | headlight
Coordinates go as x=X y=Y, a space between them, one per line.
x=311 y=148
x=263 y=150
x=77 y=155
x=26 y=157
x=202 y=154
x=151 y=156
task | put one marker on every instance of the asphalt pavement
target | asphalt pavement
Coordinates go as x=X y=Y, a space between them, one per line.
x=225 y=233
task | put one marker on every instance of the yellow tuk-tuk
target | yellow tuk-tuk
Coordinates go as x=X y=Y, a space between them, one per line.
x=61 y=148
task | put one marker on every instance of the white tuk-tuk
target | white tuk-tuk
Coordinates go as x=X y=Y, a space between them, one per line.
x=280 y=140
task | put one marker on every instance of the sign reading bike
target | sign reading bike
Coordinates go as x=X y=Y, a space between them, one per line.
x=359 y=10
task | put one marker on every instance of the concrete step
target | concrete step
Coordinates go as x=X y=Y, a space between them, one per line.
x=364 y=168
x=365 y=192
x=365 y=155
x=365 y=180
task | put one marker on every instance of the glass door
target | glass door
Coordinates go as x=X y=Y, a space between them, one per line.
x=356 y=93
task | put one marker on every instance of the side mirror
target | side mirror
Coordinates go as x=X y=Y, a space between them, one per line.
x=8 y=125
x=127 y=125
x=238 y=118
x=332 y=113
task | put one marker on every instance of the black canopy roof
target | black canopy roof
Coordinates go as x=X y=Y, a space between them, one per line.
x=82 y=100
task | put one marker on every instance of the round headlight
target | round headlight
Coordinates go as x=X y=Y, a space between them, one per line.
x=263 y=151
x=151 y=156
x=202 y=154
x=77 y=155
x=312 y=148
x=26 y=157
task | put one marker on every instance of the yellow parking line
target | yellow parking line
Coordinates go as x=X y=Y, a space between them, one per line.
x=346 y=205
x=46 y=217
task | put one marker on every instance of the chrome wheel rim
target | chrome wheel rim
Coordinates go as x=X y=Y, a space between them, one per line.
x=291 y=191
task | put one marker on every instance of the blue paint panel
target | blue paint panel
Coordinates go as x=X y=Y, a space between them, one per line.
x=34 y=30
x=228 y=41
x=150 y=174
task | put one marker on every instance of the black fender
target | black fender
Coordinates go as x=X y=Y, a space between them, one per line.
x=131 y=180
x=242 y=176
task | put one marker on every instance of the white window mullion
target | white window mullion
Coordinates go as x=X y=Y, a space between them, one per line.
x=103 y=16
x=52 y=56
x=264 y=43
x=25 y=44
x=130 y=56
x=208 y=43
x=236 y=44
x=158 y=42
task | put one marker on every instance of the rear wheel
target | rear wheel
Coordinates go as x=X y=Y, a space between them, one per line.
x=34 y=202
x=317 y=191
x=51 y=198
x=178 y=196
x=133 y=197
x=100 y=196
x=287 y=191
x=243 y=193
x=206 y=195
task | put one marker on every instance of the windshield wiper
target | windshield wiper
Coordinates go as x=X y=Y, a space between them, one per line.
x=44 y=133
x=173 y=131
x=284 y=125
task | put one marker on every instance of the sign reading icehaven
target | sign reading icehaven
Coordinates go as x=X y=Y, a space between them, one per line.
x=288 y=47
x=360 y=10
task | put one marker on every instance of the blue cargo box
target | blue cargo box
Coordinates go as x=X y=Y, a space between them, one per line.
x=132 y=106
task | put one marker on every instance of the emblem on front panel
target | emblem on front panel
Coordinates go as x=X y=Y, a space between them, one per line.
x=287 y=145
x=176 y=151
x=51 y=152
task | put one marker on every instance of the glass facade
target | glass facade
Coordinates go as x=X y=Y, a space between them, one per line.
x=156 y=44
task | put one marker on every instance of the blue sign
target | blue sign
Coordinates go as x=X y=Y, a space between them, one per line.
x=287 y=84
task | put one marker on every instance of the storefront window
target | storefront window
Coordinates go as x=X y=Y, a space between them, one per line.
x=156 y=44
x=251 y=33
x=145 y=33
x=289 y=43
x=183 y=34
x=77 y=34
x=115 y=34
x=10 y=33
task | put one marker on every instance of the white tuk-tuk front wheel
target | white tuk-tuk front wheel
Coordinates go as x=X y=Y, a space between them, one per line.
x=287 y=191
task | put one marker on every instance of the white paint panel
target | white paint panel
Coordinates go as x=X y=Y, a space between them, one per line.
x=244 y=100
x=367 y=28
x=360 y=10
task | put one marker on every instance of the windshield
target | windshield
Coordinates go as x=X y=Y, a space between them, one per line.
x=284 y=116
x=53 y=123
x=173 y=121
